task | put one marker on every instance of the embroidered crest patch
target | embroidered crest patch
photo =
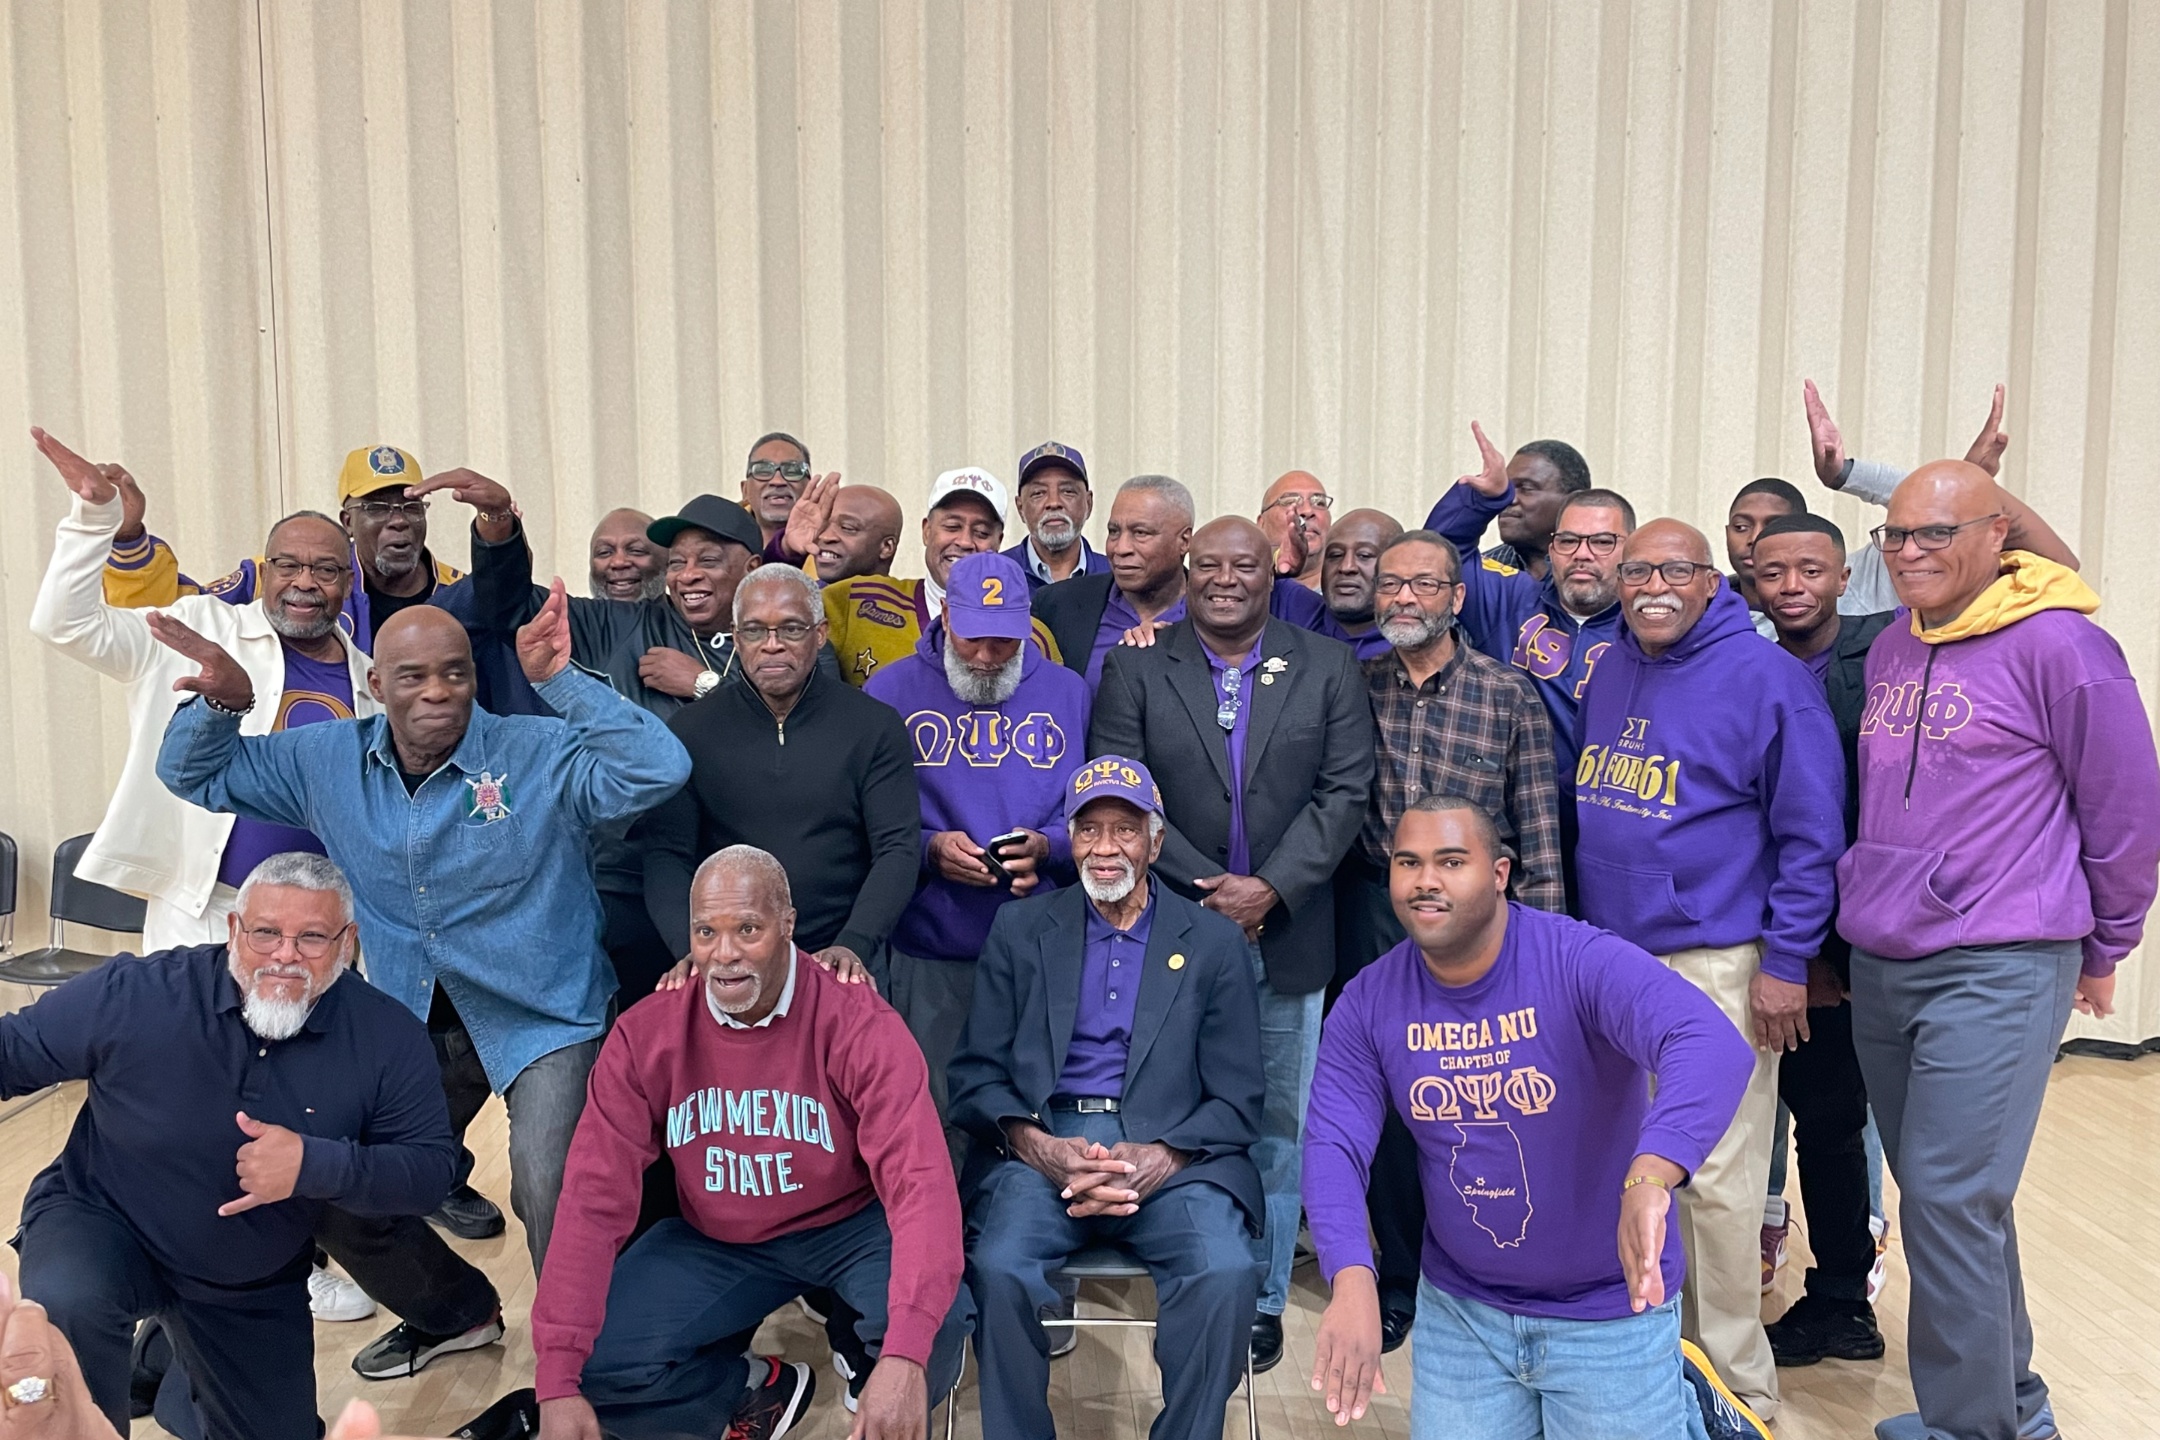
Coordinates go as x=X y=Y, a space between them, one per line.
x=490 y=799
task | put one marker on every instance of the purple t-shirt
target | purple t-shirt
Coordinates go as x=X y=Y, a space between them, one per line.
x=1527 y=1093
x=1239 y=860
x=1110 y=965
x=314 y=691
x=1818 y=664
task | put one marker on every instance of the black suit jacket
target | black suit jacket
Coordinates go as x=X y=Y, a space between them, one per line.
x=1192 y=1078
x=1308 y=774
x=1072 y=611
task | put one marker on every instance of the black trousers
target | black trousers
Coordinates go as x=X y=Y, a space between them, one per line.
x=249 y=1350
x=634 y=946
x=1366 y=928
x=1821 y=1084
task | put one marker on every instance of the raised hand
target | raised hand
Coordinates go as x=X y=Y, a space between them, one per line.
x=132 y=504
x=469 y=487
x=1987 y=448
x=93 y=482
x=543 y=642
x=1491 y=479
x=1824 y=442
x=813 y=510
x=268 y=1165
x=220 y=680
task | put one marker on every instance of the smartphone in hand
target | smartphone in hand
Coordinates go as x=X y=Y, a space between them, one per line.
x=995 y=852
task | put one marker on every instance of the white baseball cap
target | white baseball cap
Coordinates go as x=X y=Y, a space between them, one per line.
x=973 y=481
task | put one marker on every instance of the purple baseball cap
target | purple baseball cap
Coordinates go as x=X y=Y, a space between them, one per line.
x=1112 y=777
x=986 y=598
x=1051 y=452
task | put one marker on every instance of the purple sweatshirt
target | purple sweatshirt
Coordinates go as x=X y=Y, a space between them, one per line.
x=982 y=772
x=1527 y=1093
x=1710 y=795
x=2024 y=805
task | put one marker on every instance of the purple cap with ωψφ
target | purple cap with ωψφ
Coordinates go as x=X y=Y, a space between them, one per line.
x=1112 y=777
x=986 y=598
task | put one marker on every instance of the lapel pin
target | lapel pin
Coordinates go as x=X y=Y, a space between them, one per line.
x=1177 y=962
x=1267 y=679
x=1275 y=665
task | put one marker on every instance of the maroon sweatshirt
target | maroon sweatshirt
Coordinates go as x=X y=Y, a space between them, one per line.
x=773 y=1129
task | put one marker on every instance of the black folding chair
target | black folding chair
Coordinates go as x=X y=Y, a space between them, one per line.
x=75 y=901
x=8 y=861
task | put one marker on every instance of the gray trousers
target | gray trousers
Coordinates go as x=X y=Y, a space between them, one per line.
x=933 y=997
x=1956 y=1048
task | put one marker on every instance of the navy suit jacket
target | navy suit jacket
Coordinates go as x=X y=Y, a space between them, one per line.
x=1192 y=1078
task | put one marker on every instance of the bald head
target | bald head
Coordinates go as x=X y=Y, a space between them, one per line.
x=1350 y=563
x=746 y=865
x=1668 y=539
x=1943 y=538
x=1297 y=498
x=1659 y=608
x=861 y=535
x=625 y=564
x=423 y=676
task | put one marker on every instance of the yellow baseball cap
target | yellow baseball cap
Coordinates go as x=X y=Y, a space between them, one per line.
x=373 y=468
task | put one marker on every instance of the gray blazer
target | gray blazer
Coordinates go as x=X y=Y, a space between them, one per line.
x=1308 y=774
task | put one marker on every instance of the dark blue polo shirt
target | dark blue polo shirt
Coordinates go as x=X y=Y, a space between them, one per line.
x=170 y=1062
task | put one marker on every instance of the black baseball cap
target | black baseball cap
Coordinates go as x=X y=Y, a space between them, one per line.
x=711 y=513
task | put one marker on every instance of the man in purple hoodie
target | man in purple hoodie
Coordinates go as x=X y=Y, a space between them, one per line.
x=997 y=727
x=1710 y=797
x=2009 y=834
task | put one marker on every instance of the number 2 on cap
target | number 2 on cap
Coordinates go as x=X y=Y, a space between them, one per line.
x=993 y=591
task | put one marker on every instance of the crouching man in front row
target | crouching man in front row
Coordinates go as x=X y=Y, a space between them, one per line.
x=807 y=1155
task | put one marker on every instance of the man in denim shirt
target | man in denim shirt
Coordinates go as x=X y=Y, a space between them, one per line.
x=468 y=838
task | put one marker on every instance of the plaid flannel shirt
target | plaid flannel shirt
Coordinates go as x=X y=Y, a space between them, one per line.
x=1475 y=729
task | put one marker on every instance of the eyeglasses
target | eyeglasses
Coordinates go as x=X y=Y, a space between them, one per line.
x=1233 y=684
x=782 y=469
x=1317 y=500
x=1567 y=542
x=1891 y=538
x=1426 y=585
x=384 y=509
x=1676 y=572
x=326 y=572
x=792 y=632
x=310 y=944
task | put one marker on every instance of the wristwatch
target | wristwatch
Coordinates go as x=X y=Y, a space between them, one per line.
x=705 y=683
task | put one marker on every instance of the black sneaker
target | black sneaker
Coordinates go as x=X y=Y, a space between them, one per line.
x=404 y=1350
x=469 y=1215
x=514 y=1417
x=777 y=1405
x=1819 y=1328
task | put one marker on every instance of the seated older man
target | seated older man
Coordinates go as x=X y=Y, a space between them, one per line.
x=260 y=1056
x=797 y=1111
x=1110 y=1071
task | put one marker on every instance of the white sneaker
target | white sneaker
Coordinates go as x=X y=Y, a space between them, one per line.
x=334 y=1298
x=1880 y=1229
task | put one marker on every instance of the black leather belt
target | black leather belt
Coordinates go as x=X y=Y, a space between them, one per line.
x=1085 y=1104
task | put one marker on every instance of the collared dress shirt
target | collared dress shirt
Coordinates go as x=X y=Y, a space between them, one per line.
x=1239 y=860
x=481 y=880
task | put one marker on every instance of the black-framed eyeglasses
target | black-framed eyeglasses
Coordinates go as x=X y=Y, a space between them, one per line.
x=308 y=944
x=326 y=572
x=792 y=632
x=384 y=509
x=1317 y=500
x=1676 y=572
x=769 y=470
x=1567 y=542
x=1233 y=685
x=1891 y=538
x=1425 y=585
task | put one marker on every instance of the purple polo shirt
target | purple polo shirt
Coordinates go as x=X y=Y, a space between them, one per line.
x=1111 y=963
x=1239 y=860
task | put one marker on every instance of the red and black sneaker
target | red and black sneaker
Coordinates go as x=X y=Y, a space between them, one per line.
x=777 y=1404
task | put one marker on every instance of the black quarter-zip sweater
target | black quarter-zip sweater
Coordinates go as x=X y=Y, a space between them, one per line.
x=830 y=791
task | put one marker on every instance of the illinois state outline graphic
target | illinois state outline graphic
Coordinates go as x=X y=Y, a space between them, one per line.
x=1486 y=1168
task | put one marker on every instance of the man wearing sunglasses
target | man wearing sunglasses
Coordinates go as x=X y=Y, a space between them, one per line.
x=196 y=1183
x=1709 y=795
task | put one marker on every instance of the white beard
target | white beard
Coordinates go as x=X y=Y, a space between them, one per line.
x=983 y=690
x=275 y=1019
x=1113 y=892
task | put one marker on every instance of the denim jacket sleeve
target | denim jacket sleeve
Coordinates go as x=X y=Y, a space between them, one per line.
x=206 y=761
x=621 y=760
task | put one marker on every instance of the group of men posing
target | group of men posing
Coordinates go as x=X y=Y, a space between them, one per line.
x=884 y=941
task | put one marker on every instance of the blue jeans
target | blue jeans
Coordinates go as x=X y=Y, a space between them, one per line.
x=1193 y=1239
x=662 y=1366
x=1483 y=1372
x=1289 y=1044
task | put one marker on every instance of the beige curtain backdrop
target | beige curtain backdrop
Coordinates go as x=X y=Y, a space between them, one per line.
x=595 y=249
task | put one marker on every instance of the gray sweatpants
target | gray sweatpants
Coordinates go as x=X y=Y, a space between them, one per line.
x=1956 y=1048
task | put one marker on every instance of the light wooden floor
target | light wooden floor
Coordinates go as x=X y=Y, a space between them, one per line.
x=2089 y=1222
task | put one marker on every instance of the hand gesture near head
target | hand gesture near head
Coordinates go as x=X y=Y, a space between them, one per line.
x=220 y=680
x=543 y=643
x=1491 y=477
x=813 y=510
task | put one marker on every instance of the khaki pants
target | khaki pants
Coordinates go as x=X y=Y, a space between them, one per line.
x=1721 y=1206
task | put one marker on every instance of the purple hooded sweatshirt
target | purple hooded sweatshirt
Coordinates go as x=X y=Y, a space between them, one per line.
x=1711 y=794
x=982 y=771
x=2020 y=801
